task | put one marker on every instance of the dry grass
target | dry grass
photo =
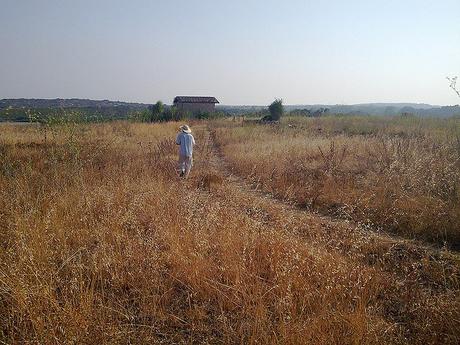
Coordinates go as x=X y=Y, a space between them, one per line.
x=399 y=174
x=100 y=242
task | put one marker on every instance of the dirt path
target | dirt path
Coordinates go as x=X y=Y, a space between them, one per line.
x=417 y=287
x=407 y=259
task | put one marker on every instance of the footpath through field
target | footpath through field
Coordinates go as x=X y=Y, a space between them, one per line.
x=409 y=259
x=415 y=270
x=420 y=283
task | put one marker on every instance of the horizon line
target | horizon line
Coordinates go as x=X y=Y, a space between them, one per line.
x=235 y=105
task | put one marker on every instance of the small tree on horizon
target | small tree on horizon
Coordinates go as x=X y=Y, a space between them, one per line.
x=276 y=109
x=156 y=111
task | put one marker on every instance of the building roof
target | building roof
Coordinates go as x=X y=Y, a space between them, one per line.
x=194 y=99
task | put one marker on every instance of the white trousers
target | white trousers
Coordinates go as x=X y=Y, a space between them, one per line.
x=185 y=165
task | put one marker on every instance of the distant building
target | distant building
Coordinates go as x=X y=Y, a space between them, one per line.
x=195 y=104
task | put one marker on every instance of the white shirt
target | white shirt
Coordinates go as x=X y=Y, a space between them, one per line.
x=186 y=142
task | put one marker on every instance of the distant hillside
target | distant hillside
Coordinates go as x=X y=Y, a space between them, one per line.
x=18 y=110
x=420 y=109
x=33 y=103
x=375 y=106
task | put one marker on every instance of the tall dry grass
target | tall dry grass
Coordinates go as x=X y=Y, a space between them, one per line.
x=101 y=243
x=401 y=174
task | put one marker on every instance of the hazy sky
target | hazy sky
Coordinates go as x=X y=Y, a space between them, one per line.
x=242 y=52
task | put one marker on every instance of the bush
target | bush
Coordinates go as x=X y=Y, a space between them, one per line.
x=156 y=111
x=206 y=115
x=276 y=110
x=171 y=114
x=161 y=113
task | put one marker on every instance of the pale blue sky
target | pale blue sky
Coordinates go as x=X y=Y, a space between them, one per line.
x=242 y=52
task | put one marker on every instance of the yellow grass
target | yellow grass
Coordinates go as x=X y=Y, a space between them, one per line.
x=399 y=174
x=100 y=242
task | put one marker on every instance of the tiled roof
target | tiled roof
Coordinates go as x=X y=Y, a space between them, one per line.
x=194 y=99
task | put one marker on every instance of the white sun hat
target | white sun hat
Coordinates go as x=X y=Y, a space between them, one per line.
x=185 y=129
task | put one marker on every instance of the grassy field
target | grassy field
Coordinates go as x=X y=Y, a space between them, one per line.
x=101 y=242
x=399 y=174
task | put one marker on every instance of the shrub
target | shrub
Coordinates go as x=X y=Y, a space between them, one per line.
x=206 y=115
x=156 y=111
x=276 y=110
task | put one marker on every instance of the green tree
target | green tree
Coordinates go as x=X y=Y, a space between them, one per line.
x=276 y=109
x=156 y=111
